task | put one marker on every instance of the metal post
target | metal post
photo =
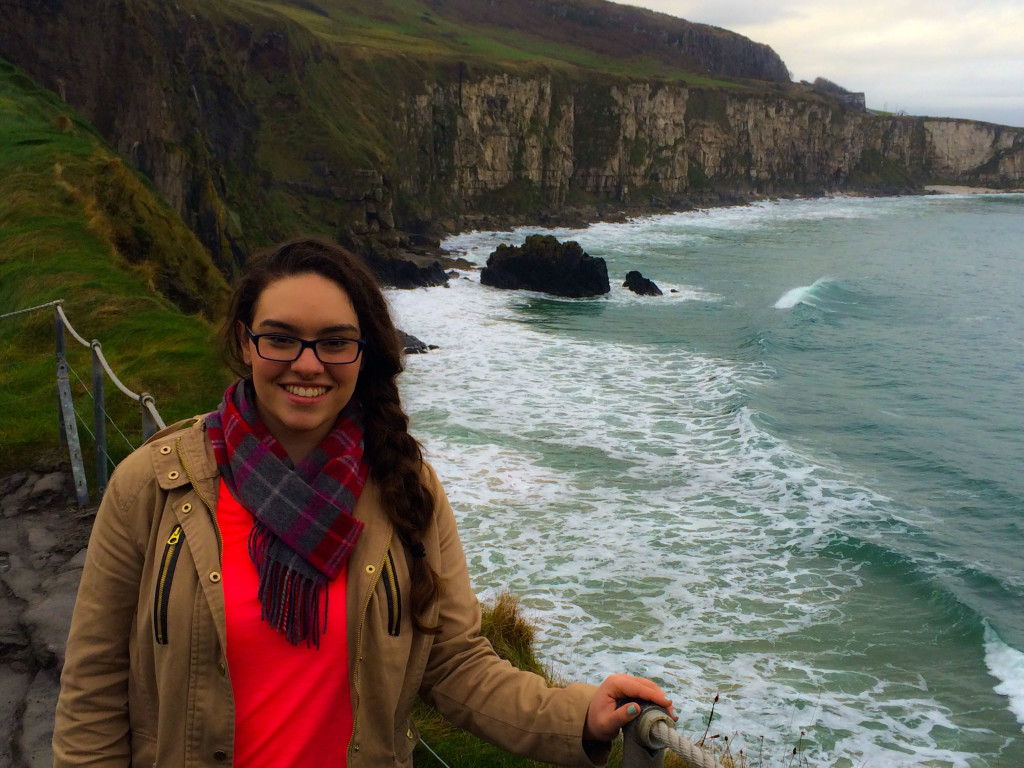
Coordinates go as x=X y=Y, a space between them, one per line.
x=71 y=433
x=58 y=330
x=149 y=425
x=99 y=418
x=639 y=749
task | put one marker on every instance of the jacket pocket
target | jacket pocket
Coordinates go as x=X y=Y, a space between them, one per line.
x=394 y=597
x=175 y=542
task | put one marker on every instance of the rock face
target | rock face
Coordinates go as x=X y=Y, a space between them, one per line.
x=639 y=284
x=42 y=543
x=236 y=119
x=401 y=273
x=544 y=264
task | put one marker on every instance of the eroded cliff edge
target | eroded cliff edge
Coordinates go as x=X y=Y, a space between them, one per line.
x=254 y=126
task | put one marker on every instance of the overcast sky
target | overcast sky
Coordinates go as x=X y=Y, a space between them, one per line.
x=945 y=58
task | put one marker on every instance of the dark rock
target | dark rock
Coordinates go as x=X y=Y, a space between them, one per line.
x=639 y=284
x=393 y=266
x=411 y=345
x=402 y=273
x=544 y=264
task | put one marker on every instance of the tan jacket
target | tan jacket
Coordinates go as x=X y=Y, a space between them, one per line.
x=146 y=682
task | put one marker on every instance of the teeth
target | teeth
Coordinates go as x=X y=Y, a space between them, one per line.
x=305 y=391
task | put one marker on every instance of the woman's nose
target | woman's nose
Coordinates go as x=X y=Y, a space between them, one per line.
x=307 y=362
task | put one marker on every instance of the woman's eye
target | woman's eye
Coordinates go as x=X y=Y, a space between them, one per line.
x=334 y=345
x=280 y=341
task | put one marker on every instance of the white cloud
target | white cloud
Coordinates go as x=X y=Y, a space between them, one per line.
x=943 y=57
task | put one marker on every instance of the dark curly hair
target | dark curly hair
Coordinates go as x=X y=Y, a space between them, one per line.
x=394 y=456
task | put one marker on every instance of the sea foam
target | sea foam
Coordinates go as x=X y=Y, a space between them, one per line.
x=1006 y=664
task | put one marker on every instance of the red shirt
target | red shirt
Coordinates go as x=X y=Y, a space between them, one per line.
x=292 y=703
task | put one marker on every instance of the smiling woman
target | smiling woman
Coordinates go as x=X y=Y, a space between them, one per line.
x=201 y=631
x=299 y=399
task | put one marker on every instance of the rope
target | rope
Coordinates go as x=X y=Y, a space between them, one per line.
x=682 y=746
x=655 y=730
x=145 y=398
x=30 y=309
x=67 y=324
x=442 y=762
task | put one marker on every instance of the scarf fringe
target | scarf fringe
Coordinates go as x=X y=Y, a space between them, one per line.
x=289 y=600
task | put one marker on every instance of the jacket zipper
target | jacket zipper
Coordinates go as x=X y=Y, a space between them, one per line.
x=163 y=586
x=393 y=595
x=354 y=663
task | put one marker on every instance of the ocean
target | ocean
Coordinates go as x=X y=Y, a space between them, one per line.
x=795 y=480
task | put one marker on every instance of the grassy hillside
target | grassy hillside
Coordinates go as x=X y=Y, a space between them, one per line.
x=589 y=33
x=77 y=224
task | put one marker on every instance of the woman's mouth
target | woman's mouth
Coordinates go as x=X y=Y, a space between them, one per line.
x=294 y=389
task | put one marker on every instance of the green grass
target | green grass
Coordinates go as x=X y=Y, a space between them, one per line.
x=412 y=28
x=76 y=224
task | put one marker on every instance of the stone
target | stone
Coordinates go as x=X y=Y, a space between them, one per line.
x=12 y=638
x=403 y=273
x=640 y=285
x=40 y=539
x=13 y=688
x=37 y=722
x=411 y=345
x=78 y=561
x=48 y=620
x=544 y=264
x=15 y=502
x=50 y=487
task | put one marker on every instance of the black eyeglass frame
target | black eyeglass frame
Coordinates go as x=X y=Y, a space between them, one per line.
x=304 y=344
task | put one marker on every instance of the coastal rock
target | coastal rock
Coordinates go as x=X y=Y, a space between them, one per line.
x=411 y=345
x=404 y=273
x=639 y=284
x=542 y=263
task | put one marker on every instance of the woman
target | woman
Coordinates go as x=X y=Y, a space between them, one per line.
x=272 y=584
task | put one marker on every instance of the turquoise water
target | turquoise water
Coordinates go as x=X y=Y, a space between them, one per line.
x=795 y=480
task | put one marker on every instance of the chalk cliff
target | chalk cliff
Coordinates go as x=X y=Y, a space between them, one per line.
x=254 y=126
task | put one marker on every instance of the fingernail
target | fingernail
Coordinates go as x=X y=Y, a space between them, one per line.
x=632 y=709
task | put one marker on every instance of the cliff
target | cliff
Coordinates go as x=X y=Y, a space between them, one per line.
x=257 y=121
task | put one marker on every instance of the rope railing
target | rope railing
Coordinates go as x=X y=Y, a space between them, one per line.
x=67 y=417
x=646 y=738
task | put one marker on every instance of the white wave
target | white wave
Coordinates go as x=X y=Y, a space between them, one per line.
x=804 y=294
x=1007 y=665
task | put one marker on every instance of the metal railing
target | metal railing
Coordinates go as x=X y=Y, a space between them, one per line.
x=66 y=415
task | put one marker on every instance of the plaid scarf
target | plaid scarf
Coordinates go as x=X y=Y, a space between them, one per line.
x=304 y=531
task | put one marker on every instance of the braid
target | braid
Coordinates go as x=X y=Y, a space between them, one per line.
x=396 y=461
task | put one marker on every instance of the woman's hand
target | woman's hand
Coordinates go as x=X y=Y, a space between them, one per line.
x=605 y=718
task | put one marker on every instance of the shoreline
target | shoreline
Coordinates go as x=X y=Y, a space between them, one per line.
x=616 y=213
x=963 y=189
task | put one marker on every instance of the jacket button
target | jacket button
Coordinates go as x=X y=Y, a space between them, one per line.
x=215 y=577
x=165 y=450
x=220 y=755
x=173 y=474
x=186 y=508
x=408 y=734
x=222 y=668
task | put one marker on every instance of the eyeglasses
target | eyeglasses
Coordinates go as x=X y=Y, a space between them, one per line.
x=286 y=349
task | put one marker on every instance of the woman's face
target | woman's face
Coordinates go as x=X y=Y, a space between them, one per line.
x=299 y=401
